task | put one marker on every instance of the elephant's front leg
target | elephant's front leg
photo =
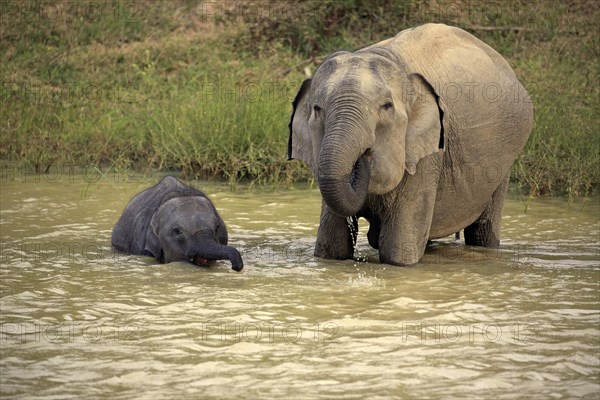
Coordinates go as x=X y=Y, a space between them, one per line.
x=403 y=239
x=334 y=239
x=405 y=230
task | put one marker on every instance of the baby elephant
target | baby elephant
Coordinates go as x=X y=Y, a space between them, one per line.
x=174 y=222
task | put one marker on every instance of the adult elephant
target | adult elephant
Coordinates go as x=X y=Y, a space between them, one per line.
x=417 y=134
x=174 y=222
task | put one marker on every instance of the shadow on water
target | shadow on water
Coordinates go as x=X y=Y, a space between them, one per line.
x=78 y=319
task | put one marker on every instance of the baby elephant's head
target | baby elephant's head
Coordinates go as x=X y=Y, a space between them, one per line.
x=190 y=229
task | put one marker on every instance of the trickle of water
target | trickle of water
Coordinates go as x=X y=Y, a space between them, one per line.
x=353 y=229
x=351 y=221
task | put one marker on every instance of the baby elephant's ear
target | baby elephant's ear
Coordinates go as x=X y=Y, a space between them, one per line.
x=221 y=231
x=153 y=246
x=300 y=143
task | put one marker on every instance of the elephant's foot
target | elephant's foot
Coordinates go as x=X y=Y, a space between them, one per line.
x=336 y=237
x=482 y=233
x=405 y=254
x=338 y=245
x=398 y=262
x=333 y=251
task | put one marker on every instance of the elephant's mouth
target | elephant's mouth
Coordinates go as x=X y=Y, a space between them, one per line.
x=360 y=167
x=200 y=261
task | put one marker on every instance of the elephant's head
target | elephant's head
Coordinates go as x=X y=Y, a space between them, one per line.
x=360 y=123
x=189 y=229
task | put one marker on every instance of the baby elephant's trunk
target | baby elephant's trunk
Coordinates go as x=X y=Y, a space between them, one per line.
x=209 y=250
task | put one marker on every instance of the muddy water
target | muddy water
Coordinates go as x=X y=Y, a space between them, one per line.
x=78 y=320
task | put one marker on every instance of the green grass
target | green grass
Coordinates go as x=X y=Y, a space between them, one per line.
x=206 y=91
x=175 y=97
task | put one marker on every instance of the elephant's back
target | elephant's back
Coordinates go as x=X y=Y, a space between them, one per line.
x=478 y=89
x=129 y=233
x=440 y=39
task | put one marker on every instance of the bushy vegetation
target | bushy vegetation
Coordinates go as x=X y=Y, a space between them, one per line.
x=205 y=87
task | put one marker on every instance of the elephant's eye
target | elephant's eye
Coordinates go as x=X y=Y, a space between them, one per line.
x=176 y=230
x=317 y=109
x=388 y=105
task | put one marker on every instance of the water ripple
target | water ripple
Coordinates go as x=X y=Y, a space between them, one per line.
x=78 y=319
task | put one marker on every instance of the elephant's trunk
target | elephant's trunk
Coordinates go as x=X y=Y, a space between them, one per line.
x=211 y=250
x=344 y=165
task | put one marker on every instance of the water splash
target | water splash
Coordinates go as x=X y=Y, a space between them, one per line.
x=352 y=223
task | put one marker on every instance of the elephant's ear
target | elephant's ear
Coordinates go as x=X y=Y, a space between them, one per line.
x=425 y=129
x=153 y=246
x=221 y=231
x=300 y=144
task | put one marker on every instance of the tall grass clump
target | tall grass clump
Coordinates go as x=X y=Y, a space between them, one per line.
x=226 y=129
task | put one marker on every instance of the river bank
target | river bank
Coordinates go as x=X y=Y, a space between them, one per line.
x=205 y=88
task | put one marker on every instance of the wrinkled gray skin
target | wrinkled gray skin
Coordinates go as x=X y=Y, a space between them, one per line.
x=174 y=222
x=417 y=134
